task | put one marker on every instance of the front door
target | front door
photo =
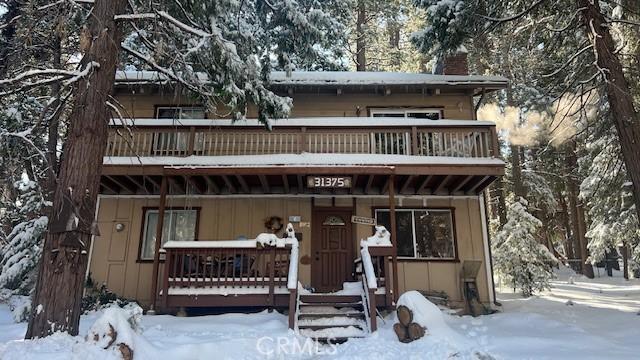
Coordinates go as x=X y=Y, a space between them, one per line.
x=331 y=249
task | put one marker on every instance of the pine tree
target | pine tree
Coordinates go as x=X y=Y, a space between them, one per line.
x=519 y=258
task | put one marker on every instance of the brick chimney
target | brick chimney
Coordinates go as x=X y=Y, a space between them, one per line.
x=456 y=63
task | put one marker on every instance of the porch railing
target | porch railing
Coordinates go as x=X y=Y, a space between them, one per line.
x=449 y=138
x=226 y=267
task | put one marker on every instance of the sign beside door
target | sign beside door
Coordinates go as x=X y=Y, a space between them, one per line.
x=328 y=181
x=363 y=220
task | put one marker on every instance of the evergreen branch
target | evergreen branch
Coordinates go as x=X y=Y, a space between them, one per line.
x=513 y=17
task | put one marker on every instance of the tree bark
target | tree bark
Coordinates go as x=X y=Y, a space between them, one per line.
x=577 y=212
x=569 y=240
x=361 y=58
x=58 y=296
x=516 y=172
x=625 y=117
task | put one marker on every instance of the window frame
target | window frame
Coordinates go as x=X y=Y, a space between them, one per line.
x=159 y=107
x=454 y=234
x=405 y=110
x=143 y=227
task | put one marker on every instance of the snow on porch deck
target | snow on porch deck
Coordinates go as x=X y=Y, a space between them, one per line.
x=602 y=324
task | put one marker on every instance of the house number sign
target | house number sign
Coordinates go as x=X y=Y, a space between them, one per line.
x=328 y=181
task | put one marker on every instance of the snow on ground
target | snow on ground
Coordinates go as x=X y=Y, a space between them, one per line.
x=600 y=321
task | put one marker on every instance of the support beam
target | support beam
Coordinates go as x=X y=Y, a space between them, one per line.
x=156 y=254
x=367 y=189
x=442 y=184
x=385 y=187
x=137 y=183
x=300 y=184
x=243 y=184
x=211 y=185
x=105 y=183
x=285 y=183
x=230 y=186
x=354 y=181
x=392 y=220
x=424 y=184
x=264 y=183
x=122 y=184
x=173 y=183
x=474 y=187
x=406 y=184
x=155 y=184
x=461 y=183
x=190 y=180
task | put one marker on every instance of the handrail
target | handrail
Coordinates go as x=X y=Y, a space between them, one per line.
x=292 y=279
x=441 y=138
x=370 y=285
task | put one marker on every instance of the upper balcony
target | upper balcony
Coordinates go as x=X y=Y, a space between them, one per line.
x=385 y=136
x=428 y=156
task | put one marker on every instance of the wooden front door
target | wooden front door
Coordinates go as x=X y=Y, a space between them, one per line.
x=331 y=249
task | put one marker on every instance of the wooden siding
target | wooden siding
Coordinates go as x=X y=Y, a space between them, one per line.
x=458 y=106
x=115 y=254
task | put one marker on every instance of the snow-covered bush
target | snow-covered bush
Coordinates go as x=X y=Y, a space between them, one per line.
x=20 y=256
x=97 y=298
x=519 y=259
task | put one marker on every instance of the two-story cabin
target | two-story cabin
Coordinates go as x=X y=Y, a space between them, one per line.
x=400 y=150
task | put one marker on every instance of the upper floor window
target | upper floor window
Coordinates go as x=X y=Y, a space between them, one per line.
x=422 y=233
x=180 y=112
x=409 y=113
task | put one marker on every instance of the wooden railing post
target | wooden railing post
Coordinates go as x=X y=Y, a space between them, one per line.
x=191 y=141
x=158 y=244
x=302 y=140
x=168 y=265
x=272 y=275
x=494 y=142
x=414 y=141
x=373 y=311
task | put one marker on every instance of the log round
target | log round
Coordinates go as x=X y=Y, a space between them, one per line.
x=415 y=331
x=405 y=315
x=401 y=332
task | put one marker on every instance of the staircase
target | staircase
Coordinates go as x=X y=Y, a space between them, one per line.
x=332 y=317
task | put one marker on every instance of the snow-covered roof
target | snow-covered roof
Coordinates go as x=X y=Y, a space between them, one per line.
x=307 y=122
x=304 y=159
x=345 y=78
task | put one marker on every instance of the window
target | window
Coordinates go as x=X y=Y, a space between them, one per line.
x=429 y=114
x=179 y=225
x=180 y=112
x=422 y=233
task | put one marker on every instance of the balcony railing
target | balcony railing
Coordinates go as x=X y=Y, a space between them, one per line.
x=450 y=138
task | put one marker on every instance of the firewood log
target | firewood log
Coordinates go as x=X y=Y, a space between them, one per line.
x=415 y=331
x=401 y=332
x=405 y=315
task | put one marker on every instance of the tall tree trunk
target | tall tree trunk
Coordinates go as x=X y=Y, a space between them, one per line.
x=516 y=172
x=625 y=117
x=58 y=296
x=361 y=37
x=498 y=203
x=577 y=212
x=566 y=224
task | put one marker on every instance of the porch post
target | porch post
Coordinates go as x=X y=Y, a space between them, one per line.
x=156 y=253
x=392 y=216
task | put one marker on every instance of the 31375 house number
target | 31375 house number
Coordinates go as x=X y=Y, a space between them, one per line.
x=329 y=181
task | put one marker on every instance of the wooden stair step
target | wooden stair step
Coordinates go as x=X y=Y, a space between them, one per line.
x=335 y=305
x=333 y=332
x=342 y=321
x=355 y=315
x=322 y=327
x=323 y=298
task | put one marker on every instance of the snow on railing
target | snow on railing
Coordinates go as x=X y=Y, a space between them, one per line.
x=367 y=267
x=292 y=279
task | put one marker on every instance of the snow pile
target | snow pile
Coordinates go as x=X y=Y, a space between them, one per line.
x=19 y=305
x=431 y=317
x=382 y=237
x=117 y=330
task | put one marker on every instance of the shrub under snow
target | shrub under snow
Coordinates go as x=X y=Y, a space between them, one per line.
x=519 y=258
